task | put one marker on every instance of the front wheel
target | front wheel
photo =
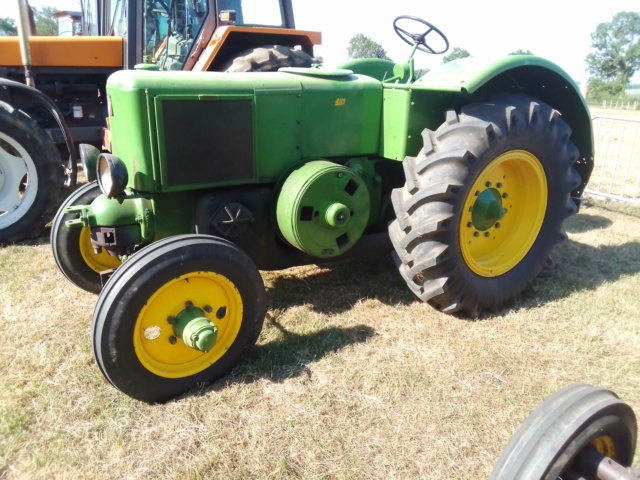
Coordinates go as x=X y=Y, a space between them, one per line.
x=178 y=314
x=567 y=434
x=483 y=204
x=72 y=249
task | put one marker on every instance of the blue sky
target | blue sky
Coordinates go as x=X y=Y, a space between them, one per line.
x=558 y=30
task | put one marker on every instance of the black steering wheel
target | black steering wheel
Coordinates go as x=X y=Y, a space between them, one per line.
x=420 y=39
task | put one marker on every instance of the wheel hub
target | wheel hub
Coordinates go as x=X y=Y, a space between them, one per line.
x=487 y=209
x=195 y=329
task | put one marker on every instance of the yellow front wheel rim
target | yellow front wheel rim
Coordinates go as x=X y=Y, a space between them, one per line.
x=156 y=345
x=98 y=262
x=503 y=213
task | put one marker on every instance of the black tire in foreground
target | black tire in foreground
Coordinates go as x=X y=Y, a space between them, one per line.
x=31 y=177
x=548 y=444
x=72 y=249
x=136 y=341
x=483 y=204
x=268 y=59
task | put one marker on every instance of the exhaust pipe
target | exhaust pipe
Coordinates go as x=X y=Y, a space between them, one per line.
x=24 y=31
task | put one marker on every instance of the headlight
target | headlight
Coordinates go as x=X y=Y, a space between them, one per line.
x=112 y=175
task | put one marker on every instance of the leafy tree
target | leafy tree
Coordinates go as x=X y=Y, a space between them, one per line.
x=522 y=52
x=616 y=54
x=362 y=46
x=46 y=22
x=455 y=54
x=7 y=27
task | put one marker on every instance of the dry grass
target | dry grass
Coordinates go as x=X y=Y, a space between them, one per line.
x=352 y=377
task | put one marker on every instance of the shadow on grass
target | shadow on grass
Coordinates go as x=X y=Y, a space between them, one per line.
x=586 y=222
x=290 y=356
x=338 y=286
x=583 y=267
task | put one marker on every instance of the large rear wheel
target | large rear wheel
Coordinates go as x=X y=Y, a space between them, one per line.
x=31 y=177
x=567 y=436
x=483 y=204
x=178 y=314
x=72 y=249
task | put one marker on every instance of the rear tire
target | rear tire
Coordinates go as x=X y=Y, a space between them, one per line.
x=268 y=59
x=484 y=203
x=564 y=425
x=31 y=177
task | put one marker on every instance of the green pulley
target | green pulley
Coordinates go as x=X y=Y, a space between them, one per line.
x=323 y=208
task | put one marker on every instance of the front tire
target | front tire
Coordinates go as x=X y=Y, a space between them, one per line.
x=134 y=338
x=549 y=443
x=484 y=203
x=31 y=177
x=72 y=248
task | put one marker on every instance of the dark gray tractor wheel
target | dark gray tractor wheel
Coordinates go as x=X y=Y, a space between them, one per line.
x=483 y=204
x=268 y=59
x=552 y=441
x=72 y=249
x=31 y=177
x=139 y=339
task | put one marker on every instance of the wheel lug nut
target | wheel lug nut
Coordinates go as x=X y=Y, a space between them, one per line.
x=208 y=309
x=188 y=304
x=499 y=185
x=505 y=195
x=469 y=224
x=487 y=234
x=171 y=320
x=476 y=234
x=173 y=340
x=497 y=225
x=488 y=184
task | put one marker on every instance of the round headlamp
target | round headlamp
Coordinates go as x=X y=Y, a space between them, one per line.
x=112 y=175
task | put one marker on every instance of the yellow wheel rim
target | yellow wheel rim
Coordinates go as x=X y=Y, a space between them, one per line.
x=503 y=213
x=605 y=446
x=97 y=262
x=155 y=343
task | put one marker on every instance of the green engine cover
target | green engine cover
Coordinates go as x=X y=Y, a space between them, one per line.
x=323 y=208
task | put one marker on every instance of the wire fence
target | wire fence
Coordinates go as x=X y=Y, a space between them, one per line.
x=616 y=172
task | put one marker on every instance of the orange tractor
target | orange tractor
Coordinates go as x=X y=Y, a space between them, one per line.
x=52 y=89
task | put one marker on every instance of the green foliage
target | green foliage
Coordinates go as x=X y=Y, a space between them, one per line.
x=616 y=52
x=521 y=52
x=455 y=54
x=599 y=90
x=7 y=27
x=46 y=22
x=362 y=46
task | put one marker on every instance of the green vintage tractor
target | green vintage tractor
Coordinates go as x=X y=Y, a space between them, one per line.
x=466 y=174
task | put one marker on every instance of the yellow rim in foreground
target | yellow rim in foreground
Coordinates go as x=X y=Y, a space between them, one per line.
x=503 y=213
x=97 y=262
x=155 y=343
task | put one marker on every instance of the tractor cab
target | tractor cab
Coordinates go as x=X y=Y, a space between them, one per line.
x=193 y=34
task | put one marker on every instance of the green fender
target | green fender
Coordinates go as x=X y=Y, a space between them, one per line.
x=467 y=80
